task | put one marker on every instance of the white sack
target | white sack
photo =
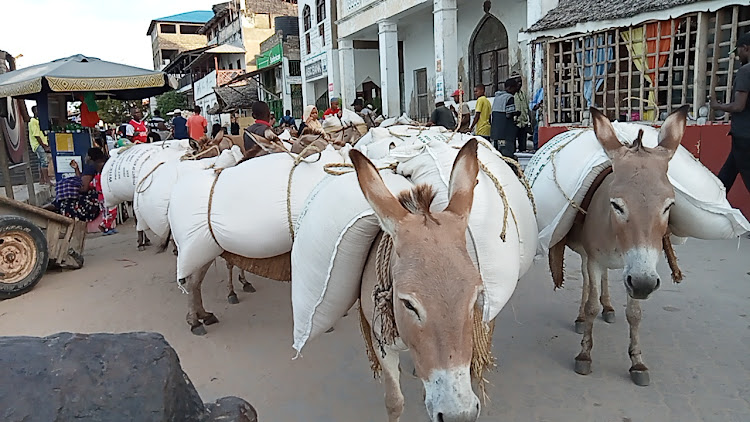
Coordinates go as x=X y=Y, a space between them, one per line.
x=249 y=208
x=329 y=252
x=126 y=166
x=701 y=209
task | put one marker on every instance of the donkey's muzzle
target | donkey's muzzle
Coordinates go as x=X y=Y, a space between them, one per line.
x=641 y=287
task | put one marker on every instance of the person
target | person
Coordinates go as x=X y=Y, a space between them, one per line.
x=197 y=125
x=464 y=117
x=738 y=161
x=136 y=129
x=366 y=112
x=442 y=116
x=288 y=120
x=157 y=122
x=334 y=109
x=122 y=139
x=272 y=120
x=523 y=122
x=310 y=119
x=504 y=113
x=481 y=123
x=234 y=127
x=40 y=146
x=179 y=125
x=215 y=129
x=262 y=116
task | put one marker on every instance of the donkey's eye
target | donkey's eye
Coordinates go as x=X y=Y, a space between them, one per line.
x=410 y=307
x=617 y=207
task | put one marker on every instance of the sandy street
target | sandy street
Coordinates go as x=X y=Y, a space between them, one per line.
x=695 y=338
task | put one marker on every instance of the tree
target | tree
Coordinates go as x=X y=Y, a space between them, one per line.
x=117 y=111
x=169 y=101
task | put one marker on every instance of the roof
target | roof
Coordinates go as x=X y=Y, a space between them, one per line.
x=196 y=16
x=571 y=12
x=218 y=12
x=226 y=49
x=233 y=98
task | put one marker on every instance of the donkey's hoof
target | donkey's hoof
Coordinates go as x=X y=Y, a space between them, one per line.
x=583 y=367
x=232 y=299
x=609 y=316
x=640 y=377
x=211 y=320
x=248 y=288
x=141 y=248
x=580 y=327
x=199 y=330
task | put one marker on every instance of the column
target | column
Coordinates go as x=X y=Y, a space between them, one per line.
x=388 y=48
x=346 y=65
x=446 y=48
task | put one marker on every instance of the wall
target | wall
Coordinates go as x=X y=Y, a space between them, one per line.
x=319 y=49
x=179 y=42
x=419 y=52
x=253 y=35
x=366 y=64
x=205 y=85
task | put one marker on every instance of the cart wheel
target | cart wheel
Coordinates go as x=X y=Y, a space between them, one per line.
x=23 y=255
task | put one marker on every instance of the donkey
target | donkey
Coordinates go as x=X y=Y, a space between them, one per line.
x=625 y=227
x=434 y=289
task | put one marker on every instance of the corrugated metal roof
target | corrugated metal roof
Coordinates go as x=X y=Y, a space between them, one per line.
x=196 y=16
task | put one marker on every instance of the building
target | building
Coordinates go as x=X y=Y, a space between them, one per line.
x=279 y=72
x=319 y=52
x=640 y=61
x=171 y=35
x=418 y=51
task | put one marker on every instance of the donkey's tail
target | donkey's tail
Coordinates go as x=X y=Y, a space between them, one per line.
x=163 y=246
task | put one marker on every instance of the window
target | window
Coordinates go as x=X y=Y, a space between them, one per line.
x=239 y=64
x=306 y=18
x=420 y=86
x=307 y=42
x=295 y=69
x=168 y=55
x=320 y=5
x=230 y=66
x=643 y=72
x=322 y=33
x=167 y=28
x=189 y=29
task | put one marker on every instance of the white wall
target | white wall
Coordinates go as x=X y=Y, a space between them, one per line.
x=312 y=89
x=366 y=64
x=419 y=52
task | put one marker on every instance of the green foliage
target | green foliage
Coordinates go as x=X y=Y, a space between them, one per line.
x=169 y=101
x=116 y=111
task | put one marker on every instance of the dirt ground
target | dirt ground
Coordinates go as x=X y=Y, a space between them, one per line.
x=695 y=338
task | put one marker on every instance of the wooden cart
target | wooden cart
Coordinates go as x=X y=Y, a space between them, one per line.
x=32 y=238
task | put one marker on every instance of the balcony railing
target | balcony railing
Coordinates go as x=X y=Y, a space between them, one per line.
x=224 y=76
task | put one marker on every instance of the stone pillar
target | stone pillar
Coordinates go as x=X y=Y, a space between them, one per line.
x=446 y=48
x=388 y=48
x=346 y=65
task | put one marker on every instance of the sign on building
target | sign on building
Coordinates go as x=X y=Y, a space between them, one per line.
x=270 y=57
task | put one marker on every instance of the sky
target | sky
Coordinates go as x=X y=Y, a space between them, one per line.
x=113 y=30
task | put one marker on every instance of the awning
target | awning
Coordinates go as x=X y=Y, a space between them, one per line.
x=233 y=98
x=84 y=74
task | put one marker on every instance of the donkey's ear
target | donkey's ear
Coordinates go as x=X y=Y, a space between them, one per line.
x=671 y=133
x=604 y=131
x=386 y=206
x=463 y=180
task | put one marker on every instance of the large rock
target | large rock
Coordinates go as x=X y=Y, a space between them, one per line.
x=102 y=377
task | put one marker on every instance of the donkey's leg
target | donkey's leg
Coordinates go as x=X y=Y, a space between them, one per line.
x=583 y=360
x=638 y=370
x=580 y=321
x=231 y=295
x=394 y=399
x=141 y=242
x=246 y=285
x=195 y=301
x=608 y=312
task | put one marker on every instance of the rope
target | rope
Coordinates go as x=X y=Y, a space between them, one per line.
x=138 y=187
x=297 y=160
x=190 y=156
x=481 y=354
x=382 y=295
x=328 y=168
x=210 y=205
x=554 y=173
x=513 y=163
x=501 y=192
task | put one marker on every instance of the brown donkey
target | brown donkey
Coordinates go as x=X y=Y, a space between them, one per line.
x=434 y=291
x=624 y=227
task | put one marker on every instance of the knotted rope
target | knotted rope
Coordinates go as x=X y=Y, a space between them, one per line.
x=554 y=173
x=297 y=160
x=329 y=168
x=210 y=205
x=191 y=156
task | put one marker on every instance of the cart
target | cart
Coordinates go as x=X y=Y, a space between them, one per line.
x=32 y=238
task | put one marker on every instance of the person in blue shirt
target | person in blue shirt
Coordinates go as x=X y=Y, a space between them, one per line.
x=179 y=125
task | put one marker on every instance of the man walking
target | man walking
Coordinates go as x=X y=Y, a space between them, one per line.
x=464 y=117
x=40 y=146
x=481 y=113
x=523 y=121
x=739 y=156
x=179 y=125
x=504 y=113
x=197 y=125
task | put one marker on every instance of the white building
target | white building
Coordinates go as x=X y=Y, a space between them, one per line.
x=420 y=51
x=318 y=51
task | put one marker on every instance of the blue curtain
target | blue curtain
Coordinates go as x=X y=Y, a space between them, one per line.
x=594 y=73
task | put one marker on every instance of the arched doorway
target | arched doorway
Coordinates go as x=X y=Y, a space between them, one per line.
x=489 y=54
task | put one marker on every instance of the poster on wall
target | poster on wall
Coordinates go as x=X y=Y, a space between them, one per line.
x=64 y=142
x=439 y=87
x=330 y=87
